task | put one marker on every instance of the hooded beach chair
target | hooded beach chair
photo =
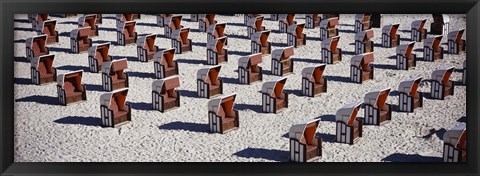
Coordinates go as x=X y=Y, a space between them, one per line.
x=194 y=17
x=114 y=109
x=122 y=18
x=349 y=127
x=164 y=64
x=248 y=69
x=440 y=25
x=455 y=42
x=260 y=43
x=390 y=38
x=285 y=20
x=216 y=31
x=172 y=23
x=80 y=40
x=208 y=82
x=331 y=15
x=180 y=41
x=36 y=46
x=70 y=88
x=331 y=54
x=146 y=47
x=274 y=99
x=328 y=28
x=97 y=55
x=216 y=53
x=377 y=111
x=305 y=146
x=418 y=31
x=409 y=98
x=114 y=75
x=282 y=64
x=455 y=144
x=222 y=117
x=313 y=82
x=205 y=21
x=362 y=22
x=42 y=70
x=89 y=21
x=164 y=95
x=126 y=33
x=441 y=85
x=312 y=20
x=48 y=27
x=161 y=18
x=363 y=44
x=248 y=17
x=295 y=35
x=38 y=19
x=255 y=25
x=464 y=73
x=360 y=68
x=405 y=58
x=431 y=48
x=376 y=20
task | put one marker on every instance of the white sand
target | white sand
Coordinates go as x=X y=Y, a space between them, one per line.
x=47 y=132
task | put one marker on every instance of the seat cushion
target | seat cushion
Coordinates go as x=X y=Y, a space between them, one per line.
x=69 y=88
x=120 y=113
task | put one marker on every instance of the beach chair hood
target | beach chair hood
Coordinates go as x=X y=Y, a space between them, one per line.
x=456 y=35
x=282 y=53
x=330 y=22
x=119 y=94
x=215 y=104
x=77 y=74
x=298 y=131
x=114 y=65
x=252 y=59
x=141 y=41
x=47 y=59
x=166 y=83
x=82 y=20
x=364 y=35
x=274 y=88
x=42 y=39
x=454 y=135
x=443 y=74
x=390 y=29
x=209 y=74
x=261 y=37
x=432 y=42
x=218 y=44
x=92 y=51
x=165 y=56
x=314 y=73
x=409 y=86
x=418 y=24
x=377 y=98
x=405 y=49
x=347 y=113
x=365 y=57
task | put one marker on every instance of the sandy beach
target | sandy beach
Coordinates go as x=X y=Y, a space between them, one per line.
x=48 y=132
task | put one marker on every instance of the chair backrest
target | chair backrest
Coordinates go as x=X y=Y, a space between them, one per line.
x=49 y=27
x=220 y=29
x=130 y=27
x=39 y=43
x=168 y=56
x=184 y=34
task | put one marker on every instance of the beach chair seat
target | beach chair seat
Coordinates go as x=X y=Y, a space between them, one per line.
x=330 y=53
x=440 y=25
x=432 y=49
x=164 y=94
x=360 y=68
x=36 y=46
x=349 y=128
x=418 y=32
x=282 y=64
x=328 y=28
x=441 y=85
x=274 y=99
x=42 y=70
x=454 y=144
x=222 y=118
x=260 y=44
x=456 y=44
x=208 y=82
x=312 y=20
x=304 y=145
x=390 y=38
x=114 y=109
